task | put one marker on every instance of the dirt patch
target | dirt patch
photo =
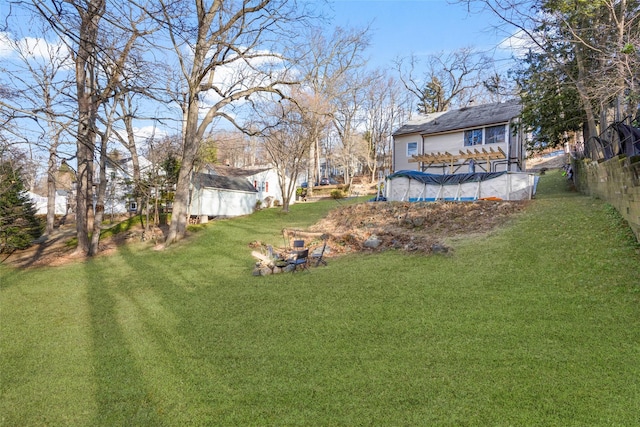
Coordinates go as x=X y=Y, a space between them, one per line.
x=413 y=227
x=59 y=248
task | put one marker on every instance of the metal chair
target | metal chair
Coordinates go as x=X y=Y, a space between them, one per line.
x=301 y=260
x=318 y=256
x=298 y=245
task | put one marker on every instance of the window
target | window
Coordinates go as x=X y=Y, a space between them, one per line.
x=412 y=149
x=133 y=206
x=473 y=137
x=496 y=134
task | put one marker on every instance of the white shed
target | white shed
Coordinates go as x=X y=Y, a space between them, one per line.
x=221 y=196
x=263 y=178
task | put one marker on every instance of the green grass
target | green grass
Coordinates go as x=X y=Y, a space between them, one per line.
x=536 y=324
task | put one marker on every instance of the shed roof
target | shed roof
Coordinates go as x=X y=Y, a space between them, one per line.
x=223 y=182
x=463 y=118
x=235 y=172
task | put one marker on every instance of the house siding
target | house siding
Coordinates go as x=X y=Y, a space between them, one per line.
x=446 y=134
x=454 y=143
x=401 y=161
x=268 y=185
x=215 y=202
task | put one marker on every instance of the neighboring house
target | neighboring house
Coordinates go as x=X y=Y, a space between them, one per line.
x=473 y=139
x=119 y=192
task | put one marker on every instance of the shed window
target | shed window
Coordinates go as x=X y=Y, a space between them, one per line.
x=473 y=137
x=496 y=134
x=412 y=149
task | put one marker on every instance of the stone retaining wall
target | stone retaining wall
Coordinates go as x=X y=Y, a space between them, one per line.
x=617 y=181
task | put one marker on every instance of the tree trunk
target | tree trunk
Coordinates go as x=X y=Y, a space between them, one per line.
x=102 y=188
x=131 y=146
x=286 y=189
x=179 y=220
x=87 y=106
x=51 y=193
x=84 y=187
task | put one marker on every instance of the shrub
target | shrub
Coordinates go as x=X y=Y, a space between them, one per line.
x=337 y=194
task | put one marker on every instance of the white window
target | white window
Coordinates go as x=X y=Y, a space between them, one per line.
x=473 y=137
x=495 y=134
x=412 y=149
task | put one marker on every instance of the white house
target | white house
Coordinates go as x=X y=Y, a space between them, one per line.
x=473 y=139
x=119 y=192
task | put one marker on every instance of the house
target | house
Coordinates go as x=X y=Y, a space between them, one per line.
x=473 y=139
x=119 y=197
x=461 y=155
x=263 y=178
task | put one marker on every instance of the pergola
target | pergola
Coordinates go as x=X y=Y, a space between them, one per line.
x=446 y=158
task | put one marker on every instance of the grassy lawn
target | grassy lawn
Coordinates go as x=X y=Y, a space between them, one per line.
x=535 y=324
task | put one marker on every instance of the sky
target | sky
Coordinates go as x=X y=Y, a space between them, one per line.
x=401 y=28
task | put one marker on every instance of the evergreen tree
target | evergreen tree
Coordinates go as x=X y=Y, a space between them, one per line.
x=19 y=225
x=551 y=105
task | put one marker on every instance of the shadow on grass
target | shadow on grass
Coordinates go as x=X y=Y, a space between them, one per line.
x=121 y=397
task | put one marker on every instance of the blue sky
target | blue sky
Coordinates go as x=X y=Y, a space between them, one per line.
x=421 y=27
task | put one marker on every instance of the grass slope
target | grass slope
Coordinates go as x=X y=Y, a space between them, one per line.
x=536 y=324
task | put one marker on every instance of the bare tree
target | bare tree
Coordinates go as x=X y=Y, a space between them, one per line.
x=287 y=142
x=326 y=67
x=226 y=53
x=447 y=79
x=348 y=120
x=100 y=35
x=40 y=82
x=385 y=105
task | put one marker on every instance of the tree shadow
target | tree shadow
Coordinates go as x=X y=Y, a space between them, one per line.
x=121 y=395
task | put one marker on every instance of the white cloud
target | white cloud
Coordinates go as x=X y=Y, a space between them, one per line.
x=519 y=43
x=33 y=49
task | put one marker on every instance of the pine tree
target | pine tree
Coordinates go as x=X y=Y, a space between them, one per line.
x=19 y=225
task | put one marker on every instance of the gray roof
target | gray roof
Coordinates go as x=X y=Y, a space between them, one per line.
x=235 y=172
x=223 y=182
x=463 y=118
